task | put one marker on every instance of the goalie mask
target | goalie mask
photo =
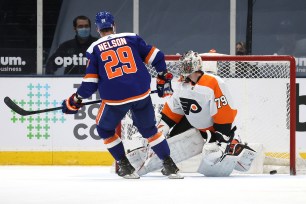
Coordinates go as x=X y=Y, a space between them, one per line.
x=104 y=19
x=189 y=63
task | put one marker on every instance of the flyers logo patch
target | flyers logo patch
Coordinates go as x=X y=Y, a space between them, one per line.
x=190 y=105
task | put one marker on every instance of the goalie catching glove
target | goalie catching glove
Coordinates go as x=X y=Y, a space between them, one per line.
x=221 y=157
x=163 y=84
x=72 y=104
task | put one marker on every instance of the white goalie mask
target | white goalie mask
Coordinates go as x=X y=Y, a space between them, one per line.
x=189 y=63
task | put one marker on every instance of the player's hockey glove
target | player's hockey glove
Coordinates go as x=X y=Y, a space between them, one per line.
x=72 y=104
x=163 y=84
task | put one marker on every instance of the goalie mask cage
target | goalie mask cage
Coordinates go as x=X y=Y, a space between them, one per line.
x=263 y=89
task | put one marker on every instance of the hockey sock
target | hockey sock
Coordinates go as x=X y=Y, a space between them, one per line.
x=159 y=145
x=115 y=147
x=117 y=151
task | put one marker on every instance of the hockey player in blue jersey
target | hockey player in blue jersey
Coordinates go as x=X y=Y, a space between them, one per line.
x=116 y=69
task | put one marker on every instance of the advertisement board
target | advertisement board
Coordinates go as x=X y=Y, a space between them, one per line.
x=73 y=137
x=17 y=62
x=57 y=138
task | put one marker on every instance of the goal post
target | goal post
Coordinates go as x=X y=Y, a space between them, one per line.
x=264 y=88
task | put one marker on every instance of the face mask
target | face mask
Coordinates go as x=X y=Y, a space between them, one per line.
x=83 y=32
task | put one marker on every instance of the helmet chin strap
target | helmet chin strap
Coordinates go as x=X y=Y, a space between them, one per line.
x=187 y=80
x=193 y=78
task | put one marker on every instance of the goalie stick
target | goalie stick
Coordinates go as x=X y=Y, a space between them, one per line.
x=13 y=106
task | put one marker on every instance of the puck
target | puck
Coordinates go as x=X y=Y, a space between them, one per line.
x=273 y=172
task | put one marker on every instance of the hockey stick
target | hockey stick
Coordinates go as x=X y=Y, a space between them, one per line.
x=13 y=106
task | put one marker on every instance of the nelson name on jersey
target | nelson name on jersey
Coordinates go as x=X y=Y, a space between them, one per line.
x=112 y=44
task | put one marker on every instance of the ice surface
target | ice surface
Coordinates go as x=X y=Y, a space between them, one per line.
x=92 y=184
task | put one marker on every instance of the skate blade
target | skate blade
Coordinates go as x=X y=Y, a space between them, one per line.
x=132 y=176
x=175 y=176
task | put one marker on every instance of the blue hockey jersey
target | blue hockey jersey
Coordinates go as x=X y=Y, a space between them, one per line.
x=116 y=68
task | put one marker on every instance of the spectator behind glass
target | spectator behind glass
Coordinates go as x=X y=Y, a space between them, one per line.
x=241 y=48
x=71 y=54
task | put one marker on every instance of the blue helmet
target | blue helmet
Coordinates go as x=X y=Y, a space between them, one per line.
x=104 y=19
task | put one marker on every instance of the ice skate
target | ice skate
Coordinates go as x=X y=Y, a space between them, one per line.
x=170 y=169
x=126 y=170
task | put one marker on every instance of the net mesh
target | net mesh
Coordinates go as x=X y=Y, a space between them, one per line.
x=261 y=89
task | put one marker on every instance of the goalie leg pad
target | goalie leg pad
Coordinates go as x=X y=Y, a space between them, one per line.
x=138 y=156
x=246 y=157
x=182 y=147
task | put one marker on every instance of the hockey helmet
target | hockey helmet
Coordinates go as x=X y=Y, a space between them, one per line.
x=189 y=63
x=104 y=19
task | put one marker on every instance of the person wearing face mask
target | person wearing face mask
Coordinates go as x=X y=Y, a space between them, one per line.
x=71 y=54
x=241 y=48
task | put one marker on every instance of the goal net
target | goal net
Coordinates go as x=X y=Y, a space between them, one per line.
x=263 y=89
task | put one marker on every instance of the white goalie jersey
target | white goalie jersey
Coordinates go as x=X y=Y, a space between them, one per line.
x=205 y=103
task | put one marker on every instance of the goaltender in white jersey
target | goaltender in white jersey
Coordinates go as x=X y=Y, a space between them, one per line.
x=200 y=115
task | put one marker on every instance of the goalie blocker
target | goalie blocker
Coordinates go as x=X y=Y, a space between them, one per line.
x=214 y=162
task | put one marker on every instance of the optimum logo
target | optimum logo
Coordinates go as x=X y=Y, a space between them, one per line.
x=74 y=60
x=38 y=126
x=11 y=61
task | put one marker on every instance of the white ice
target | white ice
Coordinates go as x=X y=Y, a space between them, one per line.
x=91 y=185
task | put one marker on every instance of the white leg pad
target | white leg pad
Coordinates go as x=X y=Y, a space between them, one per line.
x=138 y=156
x=182 y=147
x=246 y=157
